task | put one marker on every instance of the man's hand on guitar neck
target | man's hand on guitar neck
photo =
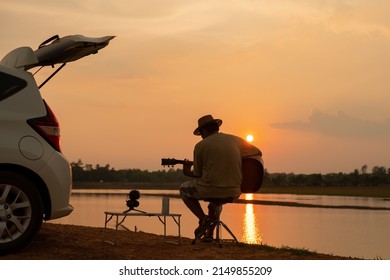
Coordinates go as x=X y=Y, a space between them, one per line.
x=187 y=165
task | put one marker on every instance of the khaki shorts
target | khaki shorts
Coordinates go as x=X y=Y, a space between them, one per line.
x=189 y=189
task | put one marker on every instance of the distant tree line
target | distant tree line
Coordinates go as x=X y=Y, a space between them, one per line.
x=98 y=173
x=379 y=175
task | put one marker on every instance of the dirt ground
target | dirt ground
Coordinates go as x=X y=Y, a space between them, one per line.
x=69 y=242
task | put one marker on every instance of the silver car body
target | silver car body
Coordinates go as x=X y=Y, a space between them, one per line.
x=23 y=149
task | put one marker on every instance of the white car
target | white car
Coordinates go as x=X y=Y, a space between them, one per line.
x=35 y=178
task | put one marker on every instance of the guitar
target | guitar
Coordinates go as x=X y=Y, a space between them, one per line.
x=252 y=172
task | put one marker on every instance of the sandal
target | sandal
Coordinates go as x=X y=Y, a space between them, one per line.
x=207 y=238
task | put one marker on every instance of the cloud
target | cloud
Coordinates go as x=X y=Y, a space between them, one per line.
x=340 y=125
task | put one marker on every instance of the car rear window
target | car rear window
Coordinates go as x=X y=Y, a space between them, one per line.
x=10 y=85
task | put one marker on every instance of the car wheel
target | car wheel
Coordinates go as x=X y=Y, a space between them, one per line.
x=21 y=211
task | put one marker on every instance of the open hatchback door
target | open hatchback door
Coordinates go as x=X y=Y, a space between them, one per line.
x=55 y=50
x=69 y=48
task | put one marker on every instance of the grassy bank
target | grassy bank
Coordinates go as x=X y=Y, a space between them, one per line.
x=70 y=242
x=363 y=191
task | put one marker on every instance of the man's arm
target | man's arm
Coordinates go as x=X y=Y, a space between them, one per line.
x=187 y=169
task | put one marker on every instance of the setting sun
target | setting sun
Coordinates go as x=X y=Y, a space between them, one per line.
x=249 y=138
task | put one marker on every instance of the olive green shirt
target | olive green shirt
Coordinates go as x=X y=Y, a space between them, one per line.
x=218 y=163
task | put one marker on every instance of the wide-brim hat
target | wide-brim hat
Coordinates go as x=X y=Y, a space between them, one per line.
x=205 y=120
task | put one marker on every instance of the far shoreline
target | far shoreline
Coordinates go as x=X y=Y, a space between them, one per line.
x=354 y=191
x=380 y=192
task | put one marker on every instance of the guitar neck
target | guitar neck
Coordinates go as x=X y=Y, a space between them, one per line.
x=180 y=161
x=172 y=161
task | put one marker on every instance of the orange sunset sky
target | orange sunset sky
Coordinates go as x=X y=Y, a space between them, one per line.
x=309 y=79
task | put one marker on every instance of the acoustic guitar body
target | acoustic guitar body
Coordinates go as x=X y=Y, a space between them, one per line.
x=252 y=174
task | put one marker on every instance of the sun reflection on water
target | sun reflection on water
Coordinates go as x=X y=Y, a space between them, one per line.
x=251 y=234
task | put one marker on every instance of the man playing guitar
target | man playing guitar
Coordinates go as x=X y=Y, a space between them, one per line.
x=216 y=169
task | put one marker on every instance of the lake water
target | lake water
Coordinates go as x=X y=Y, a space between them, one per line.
x=347 y=232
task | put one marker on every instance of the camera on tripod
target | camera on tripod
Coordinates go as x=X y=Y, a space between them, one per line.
x=132 y=201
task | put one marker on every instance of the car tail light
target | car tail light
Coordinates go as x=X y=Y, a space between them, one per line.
x=48 y=127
